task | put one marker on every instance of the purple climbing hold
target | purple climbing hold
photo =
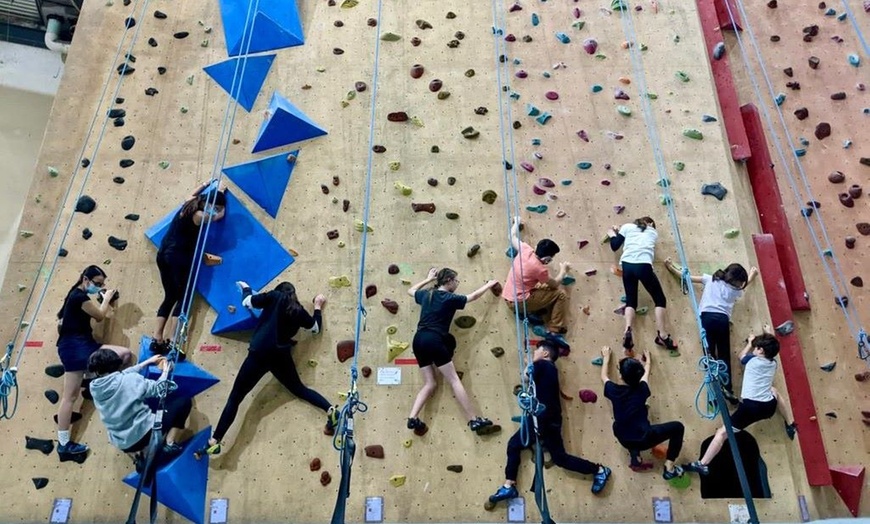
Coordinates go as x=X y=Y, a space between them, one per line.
x=546 y=182
x=521 y=74
x=583 y=135
x=618 y=209
x=552 y=95
x=528 y=167
x=590 y=45
x=619 y=94
x=538 y=190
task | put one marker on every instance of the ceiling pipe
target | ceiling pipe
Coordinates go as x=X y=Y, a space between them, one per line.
x=52 y=37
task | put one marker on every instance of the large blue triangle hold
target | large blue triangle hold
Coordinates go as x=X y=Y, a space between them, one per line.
x=190 y=378
x=286 y=124
x=182 y=482
x=275 y=25
x=264 y=180
x=252 y=70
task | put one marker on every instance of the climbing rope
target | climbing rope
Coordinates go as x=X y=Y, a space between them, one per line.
x=711 y=381
x=858 y=32
x=527 y=396
x=9 y=370
x=823 y=245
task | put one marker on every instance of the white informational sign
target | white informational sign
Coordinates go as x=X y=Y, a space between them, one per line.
x=516 y=510
x=374 y=509
x=389 y=376
x=60 y=511
x=218 y=511
x=662 y=509
x=739 y=513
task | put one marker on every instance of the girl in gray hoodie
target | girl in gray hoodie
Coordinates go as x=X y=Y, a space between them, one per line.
x=126 y=401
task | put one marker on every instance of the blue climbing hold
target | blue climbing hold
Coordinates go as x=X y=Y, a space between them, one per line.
x=285 y=124
x=597 y=88
x=843 y=16
x=780 y=98
x=562 y=37
x=251 y=69
x=535 y=19
x=532 y=110
x=265 y=180
x=854 y=60
x=708 y=118
x=190 y=378
x=515 y=96
x=275 y=25
x=543 y=118
x=830 y=12
x=800 y=152
x=584 y=165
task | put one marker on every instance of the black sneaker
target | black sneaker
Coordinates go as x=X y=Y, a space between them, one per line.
x=600 y=480
x=697 y=467
x=791 y=430
x=675 y=473
x=420 y=428
x=483 y=426
x=159 y=348
x=628 y=340
x=172 y=450
x=667 y=342
x=730 y=396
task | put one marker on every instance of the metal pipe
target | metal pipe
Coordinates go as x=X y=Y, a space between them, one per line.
x=52 y=37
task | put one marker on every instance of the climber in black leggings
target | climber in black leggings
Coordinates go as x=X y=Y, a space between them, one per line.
x=175 y=258
x=271 y=352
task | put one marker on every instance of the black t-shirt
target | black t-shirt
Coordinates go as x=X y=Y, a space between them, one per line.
x=74 y=320
x=276 y=327
x=630 y=414
x=438 y=308
x=546 y=376
x=181 y=236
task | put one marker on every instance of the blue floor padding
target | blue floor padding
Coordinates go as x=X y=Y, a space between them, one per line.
x=182 y=483
x=252 y=70
x=249 y=252
x=276 y=25
x=286 y=125
x=264 y=180
x=191 y=379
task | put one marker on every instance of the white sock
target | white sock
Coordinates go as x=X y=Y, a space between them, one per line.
x=63 y=437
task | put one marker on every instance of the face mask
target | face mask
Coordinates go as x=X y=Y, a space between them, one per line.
x=92 y=289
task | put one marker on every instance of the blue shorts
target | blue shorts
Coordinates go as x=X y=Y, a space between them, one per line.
x=74 y=351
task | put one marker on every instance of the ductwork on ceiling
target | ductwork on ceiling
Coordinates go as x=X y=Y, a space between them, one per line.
x=55 y=19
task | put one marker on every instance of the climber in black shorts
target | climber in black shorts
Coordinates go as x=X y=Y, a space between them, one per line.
x=433 y=344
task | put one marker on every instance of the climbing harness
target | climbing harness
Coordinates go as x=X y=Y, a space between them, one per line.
x=711 y=380
x=8 y=384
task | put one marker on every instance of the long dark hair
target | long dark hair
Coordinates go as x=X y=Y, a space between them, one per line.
x=198 y=204
x=734 y=275
x=288 y=301
x=643 y=222
x=441 y=278
x=90 y=272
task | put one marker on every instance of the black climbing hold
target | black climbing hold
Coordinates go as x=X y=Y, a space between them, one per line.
x=86 y=234
x=52 y=396
x=40 y=482
x=152 y=42
x=117 y=113
x=131 y=57
x=119 y=100
x=715 y=190
x=151 y=91
x=127 y=142
x=85 y=162
x=85 y=204
x=133 y=217
x=435 y=149
x=161 y=70
x=118 y=180
x=831 y=414
x=129 y=22
x=451 y=180
x=45 y=446
x=118 y=122
x=62 y=252
x=55 y=370
x=465 y=322
x=126 y=162
x=181 y=34
x=118 y=243
x=508 y=165
x=125 y=70
x=842 y=301
x=160 y=14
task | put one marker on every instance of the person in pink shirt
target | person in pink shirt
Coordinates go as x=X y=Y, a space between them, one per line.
x=529 y=284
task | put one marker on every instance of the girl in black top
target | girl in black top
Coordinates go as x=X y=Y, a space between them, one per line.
x=433 y=344
x=175 y=258
x=271 y=351
x=75 y=344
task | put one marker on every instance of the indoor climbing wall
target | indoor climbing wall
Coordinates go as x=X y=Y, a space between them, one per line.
x=552 y=91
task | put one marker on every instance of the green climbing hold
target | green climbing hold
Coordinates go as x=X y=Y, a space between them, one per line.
x=643 y=47
x=663 y=182
x=164 y=164
x=53 y=172
x=452 y=216
x=620 y=173
x=665 y=200
x=578 y=25
x=682 y=76
x=600 y=56
x=623 y=110
x=489 y=196
x=540 y=208
x=618 y=5
x=643 y=310
x=390 y=37
x=693 y=133
x=679 y=166
x=598 y=361
x=567 y=280
x=584 y=165
x=597 y=88
x=732 y=233
x=651 y=95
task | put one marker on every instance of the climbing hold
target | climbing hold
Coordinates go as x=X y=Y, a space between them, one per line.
x=359 y=225
x=85 y=204
x=455 y=468
x=562 y=37
x=132 y=217
x=679 y=166
x=543 y=118
x=643 y=310
x=814 y=62
x=473 y=250
x=590 y=45
x=126 y=162
x=857 y=282
x=435 y=85
x=52 y=396
x=371 y=290
x=802 y=113
x=39 y=482
x=452 y=216
x=719 y=51
x=855 y=191
x=345 y=350
x=127 y=142
x=417 y=71
x=497 y=351
x=432 y=182
x=829 y=366
x=846 y=200
x=540 y=208
x=731 y=233
x=465 y=321
x=45 y=446
x=86 y=234
x=854 y=60
x=375 y=451
x=623 y=110
x=422 y=24
x=836 y=177
x=590 y=272
x=693 y=134
x=390 y=305
x=779 y=99
x=842 y=301
x=838 y=96
x=339 y=282
x=390 y=37
x=391 y=330
x=450 y=15
x=418 y=208
x=399 y=116
x=715 y=190
x=786 y=328
x=618 y=209
x=682 y=76
x=397 y=480
x=850 y=242
x=470 y=133
x=181 y=35
x=403 y=189
x=587 y=396
x=314 y=465
x=366 y=371
x=708 y=118
x=345 y=205
x=118 y=243
x=325 y=477
x=823 y=130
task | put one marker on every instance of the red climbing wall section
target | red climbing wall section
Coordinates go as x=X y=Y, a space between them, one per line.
x=793 y=365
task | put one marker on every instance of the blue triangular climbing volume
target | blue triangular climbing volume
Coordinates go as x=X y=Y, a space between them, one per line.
x=190 y=378
x=285 y=124
x=182 y=482
x=251 y=69
x=275 y=25
x=264 y=180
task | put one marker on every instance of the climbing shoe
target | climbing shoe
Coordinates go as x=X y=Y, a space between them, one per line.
x=628 y=340
x=209 y=449
x=483 y=426
x=667 y=342
x=674 y=473
x=159 y=348
x=791 y=430
x=71 y=448
x=331 y=421
x=420 y=428
x=730 y=396
x=697 y=467
x=600 y=480
x=504 y=493
x=172 y=450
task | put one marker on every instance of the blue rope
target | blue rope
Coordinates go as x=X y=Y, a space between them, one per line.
x=56 y=258
x=823 y=245
x=715 y=376
x=8 y=384
x=858 y=32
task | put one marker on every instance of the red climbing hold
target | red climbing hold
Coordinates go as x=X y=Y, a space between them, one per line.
x=552 y=95
x=345 y=349
x=849 y=481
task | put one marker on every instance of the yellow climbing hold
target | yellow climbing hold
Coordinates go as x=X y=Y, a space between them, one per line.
x=395 y=348
x=408 y=443
x=392 y=330
x=342 y=395
x=397 y=480
x=405 y=190
x=339 y=281
x=732 y=233
x=394 y=166
x=341 y=243
x=359 y=225
x=406 y=282
x=347 y=4
x=312 y=363
x=417 y=121
x=321 y=69
x=344 y=103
